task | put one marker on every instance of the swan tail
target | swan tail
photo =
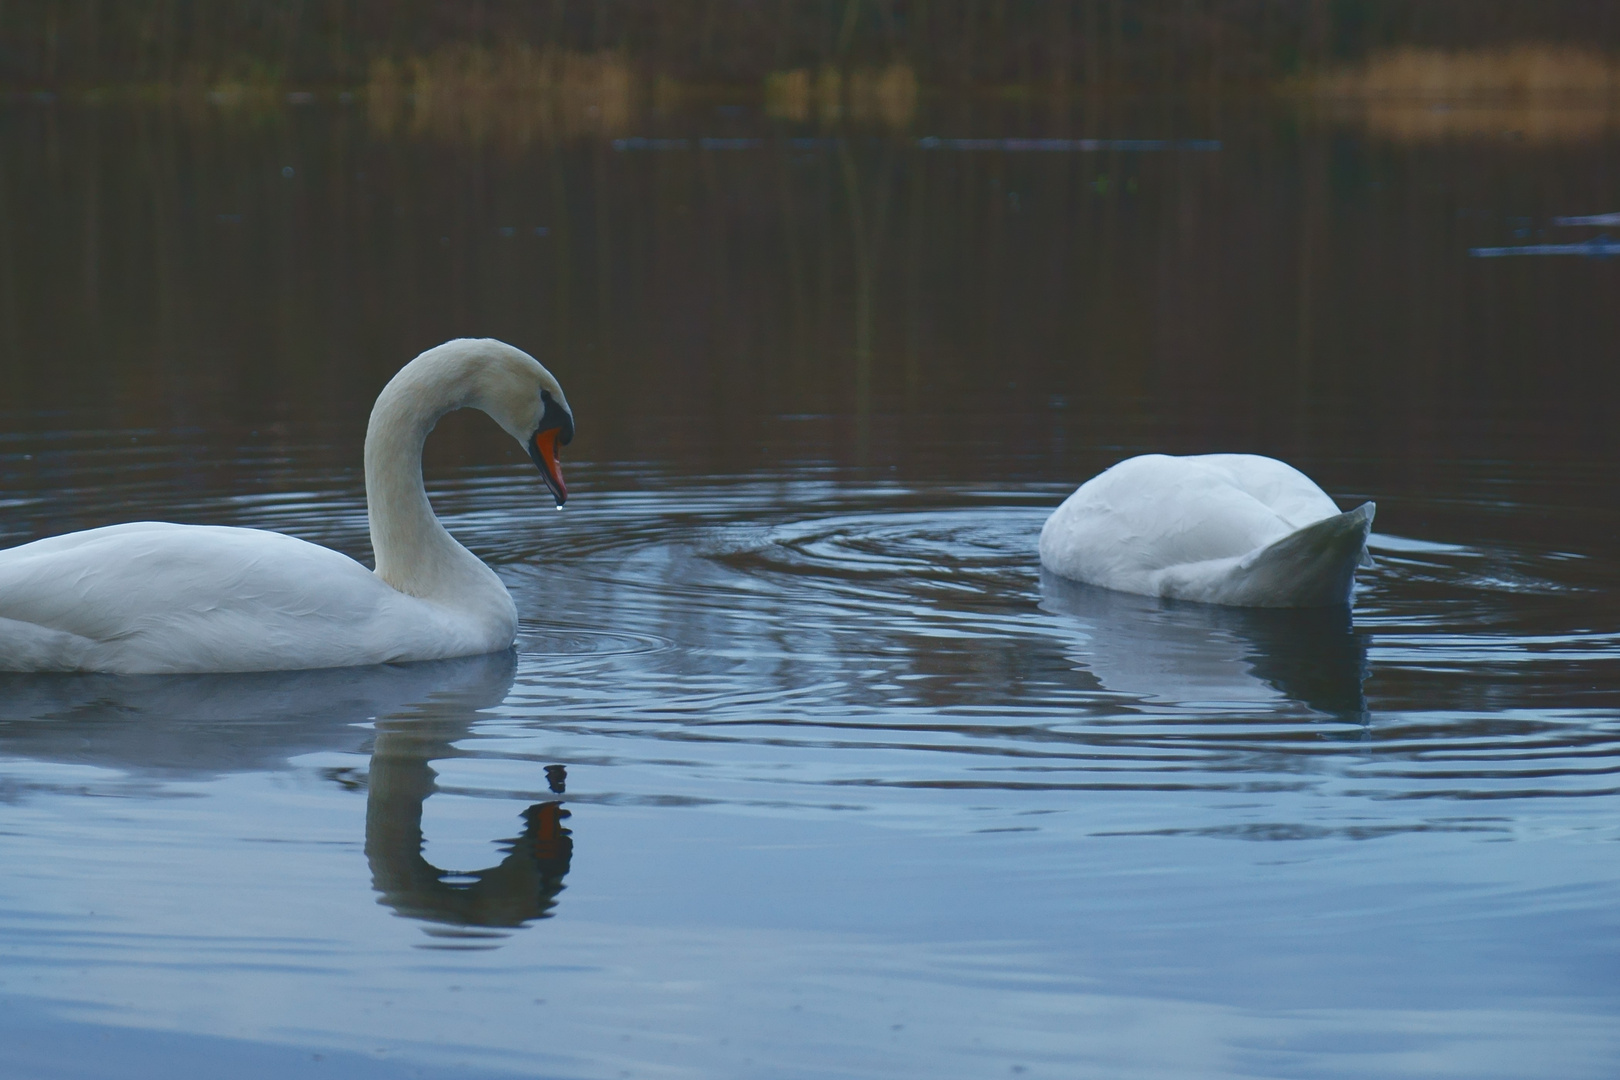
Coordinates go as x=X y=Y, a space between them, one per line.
x=1311 y=567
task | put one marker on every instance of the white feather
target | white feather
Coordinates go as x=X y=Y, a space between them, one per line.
x=1219 y=528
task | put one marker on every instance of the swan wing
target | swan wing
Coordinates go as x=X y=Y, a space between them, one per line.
x=158 y=597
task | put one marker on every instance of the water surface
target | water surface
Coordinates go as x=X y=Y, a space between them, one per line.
x=800 y=767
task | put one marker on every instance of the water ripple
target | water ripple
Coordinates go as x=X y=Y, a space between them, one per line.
x=801 y=637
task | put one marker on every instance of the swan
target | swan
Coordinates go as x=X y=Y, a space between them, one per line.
x=152 y=597
x=1236 y=529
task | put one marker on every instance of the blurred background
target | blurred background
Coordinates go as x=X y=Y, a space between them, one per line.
x=1239 y=222
x=1008 y=46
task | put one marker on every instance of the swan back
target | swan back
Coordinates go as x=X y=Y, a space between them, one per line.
x=1194 y=528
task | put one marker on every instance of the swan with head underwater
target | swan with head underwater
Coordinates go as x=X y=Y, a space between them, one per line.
x=1235 y=529
x=153 y=597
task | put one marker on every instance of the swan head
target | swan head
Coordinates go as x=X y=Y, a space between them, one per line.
x=526 y=400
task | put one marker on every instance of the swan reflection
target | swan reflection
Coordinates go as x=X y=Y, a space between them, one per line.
x=198 y=727
x=461 y=904
x=1204 y=654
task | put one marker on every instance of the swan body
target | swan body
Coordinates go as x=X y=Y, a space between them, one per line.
x=153 y=597
x=1235 y=529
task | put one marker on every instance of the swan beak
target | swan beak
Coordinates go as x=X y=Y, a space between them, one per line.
x=543 y=449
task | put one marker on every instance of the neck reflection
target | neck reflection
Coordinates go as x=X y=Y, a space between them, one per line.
x=465 y=905
x=199 y=727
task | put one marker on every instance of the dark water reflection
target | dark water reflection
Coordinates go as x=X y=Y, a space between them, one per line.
x=1297 y=290
x=1172 y=651
x=523 y=887
x=525 y=884
x=198 y=726
x=156 y=728
x=855 y=788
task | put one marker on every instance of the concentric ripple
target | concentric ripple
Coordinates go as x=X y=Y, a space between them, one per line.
x=878 y=646
x=538 y=640
x=976 y=549
x=788 y=641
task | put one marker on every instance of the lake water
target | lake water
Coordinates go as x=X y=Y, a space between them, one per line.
x=800 y=768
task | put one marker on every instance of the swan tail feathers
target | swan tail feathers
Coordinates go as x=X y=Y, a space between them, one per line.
x=1311 y=567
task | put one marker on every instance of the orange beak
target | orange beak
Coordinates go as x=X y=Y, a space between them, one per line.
x=544 y=452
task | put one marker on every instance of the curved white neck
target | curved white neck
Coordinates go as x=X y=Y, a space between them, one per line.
x=414 y=552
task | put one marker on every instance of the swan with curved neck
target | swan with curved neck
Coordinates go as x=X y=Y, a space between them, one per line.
x=150 y=597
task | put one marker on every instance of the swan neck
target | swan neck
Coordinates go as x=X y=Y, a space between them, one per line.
x=414 y=552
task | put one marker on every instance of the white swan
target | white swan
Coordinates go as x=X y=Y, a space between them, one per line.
x=151 y=597
x=1218 y=528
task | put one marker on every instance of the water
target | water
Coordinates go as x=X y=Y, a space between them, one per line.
x=800 y=767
